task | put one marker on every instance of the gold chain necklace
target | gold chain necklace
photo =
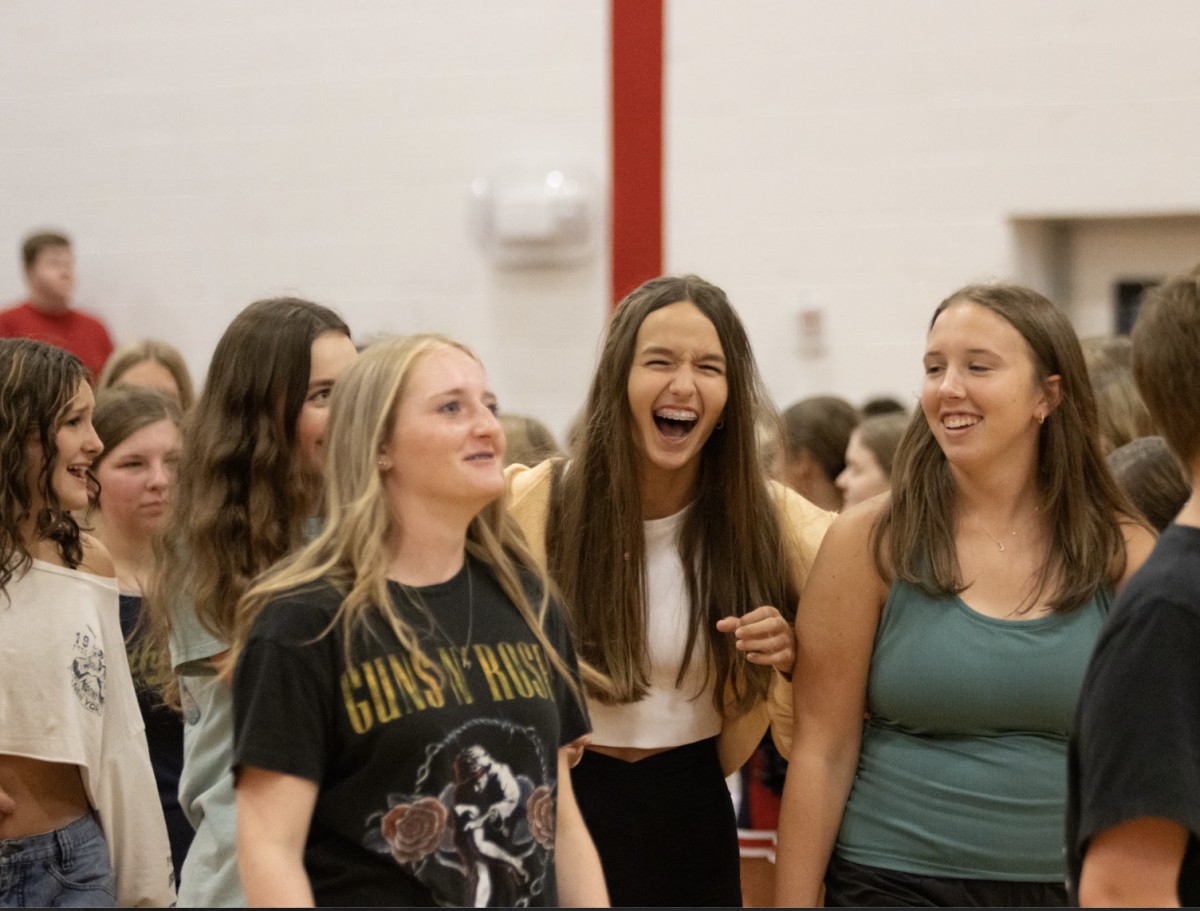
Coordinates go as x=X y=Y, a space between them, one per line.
x=995 y=540
x=1020 y=527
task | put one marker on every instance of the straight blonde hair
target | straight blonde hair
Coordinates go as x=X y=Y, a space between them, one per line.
x=353 y=553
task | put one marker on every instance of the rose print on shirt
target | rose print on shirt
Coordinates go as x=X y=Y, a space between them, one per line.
x=478 y=827
x=414 y=830
x=540 y=810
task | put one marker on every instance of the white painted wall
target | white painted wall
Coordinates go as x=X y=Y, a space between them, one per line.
x=862 y=159
x=205 y=154
x=865 y=158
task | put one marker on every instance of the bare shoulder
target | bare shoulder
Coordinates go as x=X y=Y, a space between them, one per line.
x=844 y=577
x=96 y=558
x=1139 y=541
x=853 y=529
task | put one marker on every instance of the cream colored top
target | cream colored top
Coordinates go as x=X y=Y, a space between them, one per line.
x=803 y=526
x=66 y=695
x=670 y=714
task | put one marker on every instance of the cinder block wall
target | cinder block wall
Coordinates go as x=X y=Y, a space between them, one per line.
x=865 y=159
x=856 y=159
x=206 y=154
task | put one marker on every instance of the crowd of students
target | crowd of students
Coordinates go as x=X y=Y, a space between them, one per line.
x=365 y=663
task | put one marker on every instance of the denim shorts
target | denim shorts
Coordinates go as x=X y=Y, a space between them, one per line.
x=66 y=868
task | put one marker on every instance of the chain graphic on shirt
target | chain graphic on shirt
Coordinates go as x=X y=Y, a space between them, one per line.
x=89 y=671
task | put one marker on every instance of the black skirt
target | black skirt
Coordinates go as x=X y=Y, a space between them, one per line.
x=664 y=827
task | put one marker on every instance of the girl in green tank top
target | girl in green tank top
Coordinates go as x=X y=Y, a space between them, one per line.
x=959 y=612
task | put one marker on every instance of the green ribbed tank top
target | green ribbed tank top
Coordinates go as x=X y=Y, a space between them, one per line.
x=963 y=767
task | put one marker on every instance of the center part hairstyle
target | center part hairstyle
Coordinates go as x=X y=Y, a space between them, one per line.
x=149 y=350
x=243 y=491
x=354 y=551
x=121 y=411
x=38 y=382
x=914 y=536
x=731 y=545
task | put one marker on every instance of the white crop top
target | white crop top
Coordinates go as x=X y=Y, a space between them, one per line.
x=66 y=695
x=669 y=715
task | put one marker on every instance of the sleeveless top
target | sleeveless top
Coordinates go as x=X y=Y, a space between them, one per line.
x=671 y=714
x=963 y=766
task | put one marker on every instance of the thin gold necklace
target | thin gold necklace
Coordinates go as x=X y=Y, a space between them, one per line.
x=466 y=648
x=1020 y=527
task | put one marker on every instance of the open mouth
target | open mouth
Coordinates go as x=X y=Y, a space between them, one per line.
x=675 y=424
x=959 y=421
x=79 y=472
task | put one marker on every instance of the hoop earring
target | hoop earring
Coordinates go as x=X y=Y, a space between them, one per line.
x=720 y=425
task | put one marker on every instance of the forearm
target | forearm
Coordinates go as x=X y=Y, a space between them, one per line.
x=578 y=872
x=273 y=876
x=273 y=815
x=1134 y=865
x=814 y=797
x=580 y=877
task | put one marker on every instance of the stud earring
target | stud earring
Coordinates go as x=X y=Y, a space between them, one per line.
x=1041 y=419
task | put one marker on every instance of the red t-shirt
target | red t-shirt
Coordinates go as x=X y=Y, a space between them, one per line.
x=83 y=335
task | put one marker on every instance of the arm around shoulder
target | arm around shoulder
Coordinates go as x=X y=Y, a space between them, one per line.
x=835 y=629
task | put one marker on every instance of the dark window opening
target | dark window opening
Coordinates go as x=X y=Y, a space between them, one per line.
x=1129 y=293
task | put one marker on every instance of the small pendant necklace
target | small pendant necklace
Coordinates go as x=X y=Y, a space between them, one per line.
x=997 y=542
x=464 y=651
x=1020 y=527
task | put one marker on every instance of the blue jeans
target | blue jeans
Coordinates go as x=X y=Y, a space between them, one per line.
x=66 y=868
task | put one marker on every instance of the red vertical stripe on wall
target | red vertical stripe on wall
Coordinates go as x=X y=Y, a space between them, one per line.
x=637 y=143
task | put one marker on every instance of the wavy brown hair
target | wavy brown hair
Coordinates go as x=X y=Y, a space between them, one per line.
x=243 y=492
x=356 y=547
x=730 y=543
x=914 y=536
x=38 y=382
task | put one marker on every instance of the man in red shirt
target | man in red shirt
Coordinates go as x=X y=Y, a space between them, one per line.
x=47 y=315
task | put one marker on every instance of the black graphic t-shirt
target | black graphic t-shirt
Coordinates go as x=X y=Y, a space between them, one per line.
x=438 y=785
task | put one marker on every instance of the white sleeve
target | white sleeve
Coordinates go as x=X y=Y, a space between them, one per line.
x=123 y=790
x=131 y=816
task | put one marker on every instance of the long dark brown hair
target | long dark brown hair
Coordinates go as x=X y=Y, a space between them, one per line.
x=243 y=491
x=731 y=545
x=38 y=382
x=914 y=536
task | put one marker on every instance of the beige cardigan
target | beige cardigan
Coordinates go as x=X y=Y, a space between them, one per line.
x=803 y=525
